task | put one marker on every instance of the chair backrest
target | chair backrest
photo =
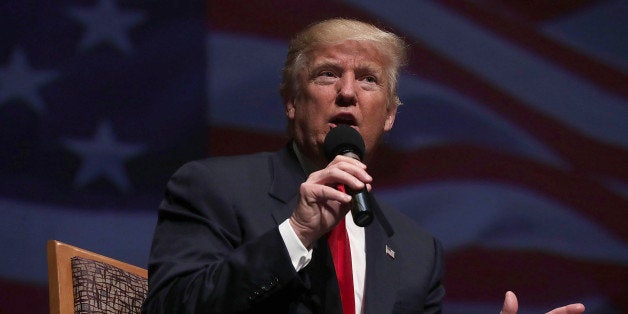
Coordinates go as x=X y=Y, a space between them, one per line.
x=82 y=281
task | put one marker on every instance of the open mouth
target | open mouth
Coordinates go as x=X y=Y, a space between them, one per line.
x=343 y=119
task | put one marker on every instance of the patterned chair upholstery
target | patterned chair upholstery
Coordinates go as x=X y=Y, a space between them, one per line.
x=86 y=282
x=103 y=288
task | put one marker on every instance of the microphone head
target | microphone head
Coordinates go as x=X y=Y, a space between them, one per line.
x=343 y=139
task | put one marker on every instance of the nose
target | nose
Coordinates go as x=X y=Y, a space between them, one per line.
x=346 y=90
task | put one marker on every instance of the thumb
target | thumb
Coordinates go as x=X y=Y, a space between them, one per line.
x=510 y=304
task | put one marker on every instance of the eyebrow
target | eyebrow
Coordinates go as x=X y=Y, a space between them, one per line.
x=325 y=63
x=362 y=66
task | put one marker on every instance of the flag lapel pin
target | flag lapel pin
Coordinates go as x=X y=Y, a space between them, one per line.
x=390 y=252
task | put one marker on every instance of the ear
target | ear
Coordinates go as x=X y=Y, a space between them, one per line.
x=390 y=119
x=290 y=109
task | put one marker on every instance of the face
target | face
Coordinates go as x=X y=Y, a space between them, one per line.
x=342 y=84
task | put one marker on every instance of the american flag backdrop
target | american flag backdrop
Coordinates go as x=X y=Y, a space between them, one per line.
x=511 y=146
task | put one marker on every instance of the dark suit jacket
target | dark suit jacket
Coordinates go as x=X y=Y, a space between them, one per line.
x=217 y=247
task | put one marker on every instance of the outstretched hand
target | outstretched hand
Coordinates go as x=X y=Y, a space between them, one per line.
x=511 y=306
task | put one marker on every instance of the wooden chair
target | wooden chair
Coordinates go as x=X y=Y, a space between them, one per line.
x=82 y=281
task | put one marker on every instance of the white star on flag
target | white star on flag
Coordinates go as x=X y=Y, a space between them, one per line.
x=103 y=156
x=105 y=22
x=18 y=80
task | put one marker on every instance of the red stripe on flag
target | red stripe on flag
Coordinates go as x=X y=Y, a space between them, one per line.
x=465 y=162
x=19 y=297
x=478 y=274
x=276 y=18
x=585 y=154
x=228 y=141
x=535 y=10
x=525 y=34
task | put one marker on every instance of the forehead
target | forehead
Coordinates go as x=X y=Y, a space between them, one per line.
x=350 y=52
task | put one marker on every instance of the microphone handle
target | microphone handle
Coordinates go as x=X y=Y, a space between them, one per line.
x=360 y=209
x=362 y=215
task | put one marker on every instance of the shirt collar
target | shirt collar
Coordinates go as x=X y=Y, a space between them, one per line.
x=307 y=165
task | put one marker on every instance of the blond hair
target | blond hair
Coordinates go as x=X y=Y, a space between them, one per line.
x=334 y=31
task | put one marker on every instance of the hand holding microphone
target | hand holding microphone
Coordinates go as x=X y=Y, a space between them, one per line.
x=319 y=205
x=345 y=140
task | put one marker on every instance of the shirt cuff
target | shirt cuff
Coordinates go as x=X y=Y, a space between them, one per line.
x=299 y=254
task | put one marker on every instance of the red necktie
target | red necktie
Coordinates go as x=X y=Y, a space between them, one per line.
x=341 y=253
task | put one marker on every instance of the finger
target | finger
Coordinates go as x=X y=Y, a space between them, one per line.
x=510 y=304
x=575 y=308
x=319 y=208
x=350 y=165
x=341 y=158
x=318 y=193
x=349 y=175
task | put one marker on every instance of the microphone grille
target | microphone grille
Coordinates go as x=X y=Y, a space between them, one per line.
x=343 y=139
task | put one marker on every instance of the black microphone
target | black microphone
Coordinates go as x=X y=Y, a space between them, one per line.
x=345 y=140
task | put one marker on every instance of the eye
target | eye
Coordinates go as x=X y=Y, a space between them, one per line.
x=324 y=77
x=371 y=79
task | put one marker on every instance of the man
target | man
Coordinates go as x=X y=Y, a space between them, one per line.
x=250 y=233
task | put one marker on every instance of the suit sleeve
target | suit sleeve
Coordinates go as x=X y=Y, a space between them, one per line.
x=199 y=261
x=433 y=301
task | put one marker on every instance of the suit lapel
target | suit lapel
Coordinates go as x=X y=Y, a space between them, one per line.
x=382 y=272
x=287 y=178
x=318 y=276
